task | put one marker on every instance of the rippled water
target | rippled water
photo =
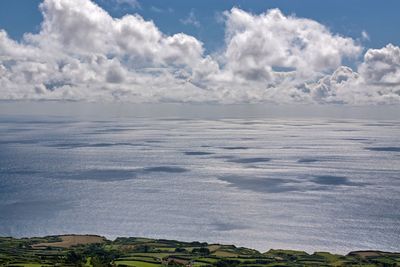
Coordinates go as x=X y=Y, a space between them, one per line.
x=309 y=184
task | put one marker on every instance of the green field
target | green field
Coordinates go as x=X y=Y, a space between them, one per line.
x=136 y=263
x=144 y=252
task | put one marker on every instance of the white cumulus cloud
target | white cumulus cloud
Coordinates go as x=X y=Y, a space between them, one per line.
x=257 y=45
x=82 y=53
x=382 y=66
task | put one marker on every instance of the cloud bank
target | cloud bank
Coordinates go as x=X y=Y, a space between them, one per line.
x=82 y=53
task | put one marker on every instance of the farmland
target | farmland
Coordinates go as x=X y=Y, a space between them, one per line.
x=96 y=251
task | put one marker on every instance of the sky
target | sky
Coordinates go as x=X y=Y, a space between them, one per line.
x=229 y=51
x=350 y=18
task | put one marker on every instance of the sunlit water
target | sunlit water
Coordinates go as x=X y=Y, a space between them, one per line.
x=308 y=184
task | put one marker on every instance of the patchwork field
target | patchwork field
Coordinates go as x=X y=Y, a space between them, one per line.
x=96 y=251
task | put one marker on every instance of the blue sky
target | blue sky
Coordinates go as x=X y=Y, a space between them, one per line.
x=380 y=19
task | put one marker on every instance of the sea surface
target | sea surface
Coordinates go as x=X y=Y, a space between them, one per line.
x=314 y=184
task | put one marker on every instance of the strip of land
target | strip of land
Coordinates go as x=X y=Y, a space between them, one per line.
x=97 y=251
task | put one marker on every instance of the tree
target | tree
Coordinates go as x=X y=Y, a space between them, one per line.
x=74 y=258
x=201 y=251
x=180 y=250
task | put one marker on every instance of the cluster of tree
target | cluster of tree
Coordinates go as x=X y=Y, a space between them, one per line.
x=180 y=250
x=227 y=263
x=143 y=249
x=99 y=257
x=198 y=244
x=201 y=251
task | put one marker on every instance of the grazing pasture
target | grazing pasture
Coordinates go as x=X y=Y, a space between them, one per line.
x=96 y=251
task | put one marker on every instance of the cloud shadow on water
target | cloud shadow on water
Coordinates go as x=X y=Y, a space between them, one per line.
x=332 y=180
x=280 y=185
x=387 y=149
x=38 y=209
x=356 y=139
x=111 y=175
x=18 y=172
x=88 y=145
x=268 y=185
x=112 y=130
x=250 y=160
x=380 y=124
x=101 y=175
x=197 y=153
x=307 y=160
x=168 y=169
x=19 y=142
x=154 y=141
x=235 y=147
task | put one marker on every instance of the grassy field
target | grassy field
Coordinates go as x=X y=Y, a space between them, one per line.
x=95 y=251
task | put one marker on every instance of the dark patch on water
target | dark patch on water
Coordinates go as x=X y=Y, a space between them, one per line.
x=19 y=142
x=102 y=121
x=235 y=147
x=228 y=130
x=110 y=175
x=175 y=119
x=346 y=130
x=251 y=123
x=18 y=172
x=100 y=145
x=224 y=157
x=197 y=153
x=168 y=169
x=17 y=130
x=386 y=148
x=280 y=185
x=250 y=160
x=88 y=145
x=299 y=125
x=330 y=180
x=339 y=121
x=307 y=160
x=153 y=141
x=7 y=188
x=33 y=122
x=68 y=145
x=101 y=175
x=294 y=147
x=112 y=144
x=356 y=139
x=26 y=119
x=380 y=124
x=38 y=209
x=268 y=185
x=112 y=130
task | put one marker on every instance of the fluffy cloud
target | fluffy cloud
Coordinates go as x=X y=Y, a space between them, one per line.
x=382 y=66
x=377 y=80
x=259 y=45
x=82 y=53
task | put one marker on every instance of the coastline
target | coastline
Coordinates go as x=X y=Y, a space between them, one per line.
x=95 y=250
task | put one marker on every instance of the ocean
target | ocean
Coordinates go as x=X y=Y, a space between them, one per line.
x=245 y=176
